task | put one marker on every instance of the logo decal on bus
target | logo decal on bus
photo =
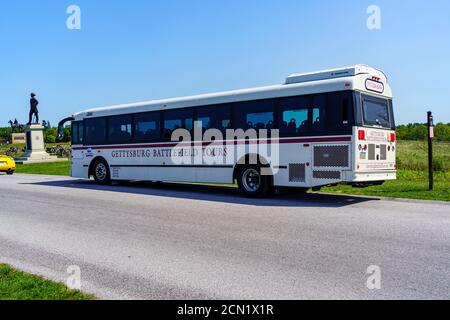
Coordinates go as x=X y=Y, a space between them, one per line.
x=89 y=153
x=374 y=86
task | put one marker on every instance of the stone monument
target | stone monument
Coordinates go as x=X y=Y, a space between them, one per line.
x=35 y=144
x=35 y=147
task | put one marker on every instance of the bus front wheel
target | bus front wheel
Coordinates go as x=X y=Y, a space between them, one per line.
x=101 y=172
x=252 y=183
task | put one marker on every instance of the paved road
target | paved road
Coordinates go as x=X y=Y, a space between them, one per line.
x=178 y=242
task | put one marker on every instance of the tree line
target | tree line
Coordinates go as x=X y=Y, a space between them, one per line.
x=419 y=131
x=50 y=134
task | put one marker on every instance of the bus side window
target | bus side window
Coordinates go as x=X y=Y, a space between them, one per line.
x=258 y=121
x=215 y=117
x=95 y=131
x=147 y=127
x=119 y=129
x=257 y=115
x=75 y=131
x=319 y=113
x=294 y=116
x=345 y=111
x=206 y=122
x=340 y=113
x=80 y=132
x=316 y=119
x=177 y=119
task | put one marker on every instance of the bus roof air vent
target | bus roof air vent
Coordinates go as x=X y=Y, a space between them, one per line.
x=334 y=73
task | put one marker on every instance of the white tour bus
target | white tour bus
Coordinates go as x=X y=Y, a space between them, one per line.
x=317 y=129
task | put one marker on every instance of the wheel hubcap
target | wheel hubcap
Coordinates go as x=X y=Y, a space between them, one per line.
x=251 y=180
x=100 y=171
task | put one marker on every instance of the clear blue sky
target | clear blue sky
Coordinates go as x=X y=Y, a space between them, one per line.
x=130 y=51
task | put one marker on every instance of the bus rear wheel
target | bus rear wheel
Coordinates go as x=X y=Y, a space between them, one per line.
x=252 y=183
x=10 y=172
x=101 y=172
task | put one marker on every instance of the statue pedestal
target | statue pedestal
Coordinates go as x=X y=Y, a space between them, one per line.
x=35 y=152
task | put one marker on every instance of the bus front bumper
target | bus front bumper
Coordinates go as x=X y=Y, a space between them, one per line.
x=359 y=176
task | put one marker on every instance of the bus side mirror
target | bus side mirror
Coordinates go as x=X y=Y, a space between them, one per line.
x=60 y=135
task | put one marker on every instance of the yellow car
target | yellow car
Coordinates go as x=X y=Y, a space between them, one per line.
x=7 y=165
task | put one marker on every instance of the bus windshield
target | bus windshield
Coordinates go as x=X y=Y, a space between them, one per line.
x=376 y=112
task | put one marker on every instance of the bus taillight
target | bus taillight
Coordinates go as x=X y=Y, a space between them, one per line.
x=361 y=135
x=392 y=137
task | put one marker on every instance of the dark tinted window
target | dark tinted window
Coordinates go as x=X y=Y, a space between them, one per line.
x=345 y=111
x=376 y=112
x=391 y=112
x=119 y=129
x=177 y=119
x=215 y=117
x=254 y=115
x=319 y=111
x=321 y=114
x=77 y=132
x=340 y=113
x=294 y=116
x=147 y=127
x=95 y=131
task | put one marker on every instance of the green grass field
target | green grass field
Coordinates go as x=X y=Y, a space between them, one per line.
x=409 y=185
x=413 y=155
x=52 y=168
x=412 y=175
x=16 y=285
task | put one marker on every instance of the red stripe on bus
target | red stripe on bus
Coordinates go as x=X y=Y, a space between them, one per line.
x=174 y=144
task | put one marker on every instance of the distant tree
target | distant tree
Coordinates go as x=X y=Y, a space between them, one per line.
x=443 y=132
x=5 y=133
x=67 y=134
x=50 y=139
x=402 y=131
x=50 y=135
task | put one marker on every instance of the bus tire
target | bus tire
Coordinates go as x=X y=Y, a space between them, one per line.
x=10 y=172
x=252 y=184
x=101 y=172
